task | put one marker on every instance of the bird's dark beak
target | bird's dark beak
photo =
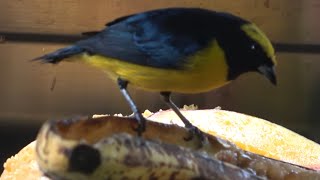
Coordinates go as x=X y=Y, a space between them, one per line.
x=269 y=72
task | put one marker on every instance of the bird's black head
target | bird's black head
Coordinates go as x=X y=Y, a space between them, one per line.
x=247 y=49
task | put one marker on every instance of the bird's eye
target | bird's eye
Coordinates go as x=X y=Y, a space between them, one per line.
x=253 y=47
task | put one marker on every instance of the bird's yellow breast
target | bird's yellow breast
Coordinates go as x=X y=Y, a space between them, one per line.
x=206 y=70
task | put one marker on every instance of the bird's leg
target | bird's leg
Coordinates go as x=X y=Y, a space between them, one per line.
x=191 y=128
x=141 y=120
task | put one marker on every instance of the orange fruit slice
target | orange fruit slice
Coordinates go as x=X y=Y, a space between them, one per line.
x=251 y=134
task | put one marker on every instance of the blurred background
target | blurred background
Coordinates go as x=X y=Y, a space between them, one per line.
x=30 y=28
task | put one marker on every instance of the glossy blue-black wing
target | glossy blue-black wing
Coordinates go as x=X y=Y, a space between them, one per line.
x=161 y=38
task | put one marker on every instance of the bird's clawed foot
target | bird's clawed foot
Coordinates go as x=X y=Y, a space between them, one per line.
x=141 y=127
x=194 y=132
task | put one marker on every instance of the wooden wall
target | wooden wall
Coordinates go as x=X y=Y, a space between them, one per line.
x=25 y=86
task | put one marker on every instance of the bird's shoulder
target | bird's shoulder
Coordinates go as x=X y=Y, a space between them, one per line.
x=161 y=38
x=169 y=36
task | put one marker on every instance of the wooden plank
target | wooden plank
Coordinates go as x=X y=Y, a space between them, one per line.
x=26 y=89
x=284 y=21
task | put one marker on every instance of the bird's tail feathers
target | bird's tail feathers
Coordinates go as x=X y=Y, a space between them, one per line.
x=60 y=54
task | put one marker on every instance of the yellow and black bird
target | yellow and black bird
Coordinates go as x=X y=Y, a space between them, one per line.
x=184 y=50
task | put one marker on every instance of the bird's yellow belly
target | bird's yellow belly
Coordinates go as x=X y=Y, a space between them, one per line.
x=207 y=70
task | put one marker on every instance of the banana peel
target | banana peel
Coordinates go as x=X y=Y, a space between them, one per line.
x=107 y=148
